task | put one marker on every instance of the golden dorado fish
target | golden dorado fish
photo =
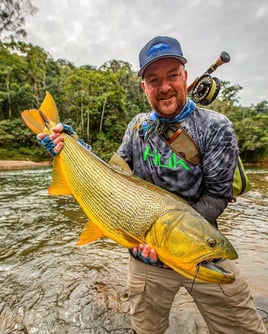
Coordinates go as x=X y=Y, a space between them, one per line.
x=130 y=210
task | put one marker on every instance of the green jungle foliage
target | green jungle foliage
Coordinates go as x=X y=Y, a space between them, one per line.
x=97 y=102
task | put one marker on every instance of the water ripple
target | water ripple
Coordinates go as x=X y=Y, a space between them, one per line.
x=48 y=285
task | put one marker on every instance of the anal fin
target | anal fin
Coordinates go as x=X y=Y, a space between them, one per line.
x=59 y=185
x=89 y=234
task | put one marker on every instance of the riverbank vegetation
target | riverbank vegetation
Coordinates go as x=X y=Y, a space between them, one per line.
x=97 y=102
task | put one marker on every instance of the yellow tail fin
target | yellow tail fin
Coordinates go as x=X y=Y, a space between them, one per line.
x=36 y=120
x=33 y=120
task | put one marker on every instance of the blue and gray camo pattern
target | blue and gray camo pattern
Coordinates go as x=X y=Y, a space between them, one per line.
x=213 y=133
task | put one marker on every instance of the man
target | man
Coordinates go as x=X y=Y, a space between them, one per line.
x=227 y=309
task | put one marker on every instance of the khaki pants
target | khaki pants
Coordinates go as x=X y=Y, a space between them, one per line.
x=227 y=308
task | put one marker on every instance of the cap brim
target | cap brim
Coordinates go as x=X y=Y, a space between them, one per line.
x=143 y=69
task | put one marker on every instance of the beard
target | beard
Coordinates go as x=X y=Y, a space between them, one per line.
x=168 y=105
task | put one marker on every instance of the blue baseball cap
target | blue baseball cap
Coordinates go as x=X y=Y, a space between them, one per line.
x=159 y=47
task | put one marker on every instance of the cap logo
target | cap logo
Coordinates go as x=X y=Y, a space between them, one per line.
x=154 y=50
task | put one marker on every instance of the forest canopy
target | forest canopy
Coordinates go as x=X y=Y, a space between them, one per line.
x=97 y=102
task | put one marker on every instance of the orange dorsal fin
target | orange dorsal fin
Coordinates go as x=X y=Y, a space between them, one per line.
x=90 y=233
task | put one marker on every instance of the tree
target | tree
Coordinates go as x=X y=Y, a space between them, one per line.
x=35 y=75
x=97 y=102
x=11 y=68
x=22 y=70
x=229 y=93
x=252 y=135
x=262 y=107
x=12 y=17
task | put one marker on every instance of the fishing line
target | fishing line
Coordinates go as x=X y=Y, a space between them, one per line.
x=195 y=276
x=44 y=118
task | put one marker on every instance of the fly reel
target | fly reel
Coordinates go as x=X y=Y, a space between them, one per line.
x=205 y=89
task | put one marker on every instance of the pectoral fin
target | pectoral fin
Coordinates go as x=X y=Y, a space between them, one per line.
x=119 y=163
x=127 y=240
x=90 y=233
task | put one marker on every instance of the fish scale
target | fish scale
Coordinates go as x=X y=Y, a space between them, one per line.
x=138 y=211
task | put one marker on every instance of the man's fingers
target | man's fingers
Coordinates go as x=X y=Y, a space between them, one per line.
x=135 y=251
x=53 y=143
x=56 y=133
x=153 y=256
x=41 y=136
x=58 y=128
x=147 y=251
x=56 y=138
x=59 y=147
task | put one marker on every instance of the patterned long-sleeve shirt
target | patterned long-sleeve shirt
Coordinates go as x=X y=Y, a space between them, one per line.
x=205 y=186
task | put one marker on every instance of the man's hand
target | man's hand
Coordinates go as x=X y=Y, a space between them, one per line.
x=146 y=253
x=54 y=142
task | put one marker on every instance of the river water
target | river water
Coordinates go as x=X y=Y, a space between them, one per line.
x=48 y=285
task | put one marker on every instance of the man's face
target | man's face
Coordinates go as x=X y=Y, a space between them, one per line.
x=165 y=86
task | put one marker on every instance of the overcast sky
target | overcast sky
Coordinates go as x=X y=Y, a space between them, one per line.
x=95 y=31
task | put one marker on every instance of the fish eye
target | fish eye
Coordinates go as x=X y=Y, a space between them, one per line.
x=211 y=243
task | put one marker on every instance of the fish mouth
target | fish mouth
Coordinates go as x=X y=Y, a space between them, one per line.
x=211 y=265
x=207 y=271
x=210 y=271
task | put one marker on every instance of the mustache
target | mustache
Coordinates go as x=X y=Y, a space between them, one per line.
x=164 y=96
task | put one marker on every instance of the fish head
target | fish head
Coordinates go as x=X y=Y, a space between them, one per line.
x=190 y=245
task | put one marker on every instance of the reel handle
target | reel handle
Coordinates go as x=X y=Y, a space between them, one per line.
x=223 y=58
